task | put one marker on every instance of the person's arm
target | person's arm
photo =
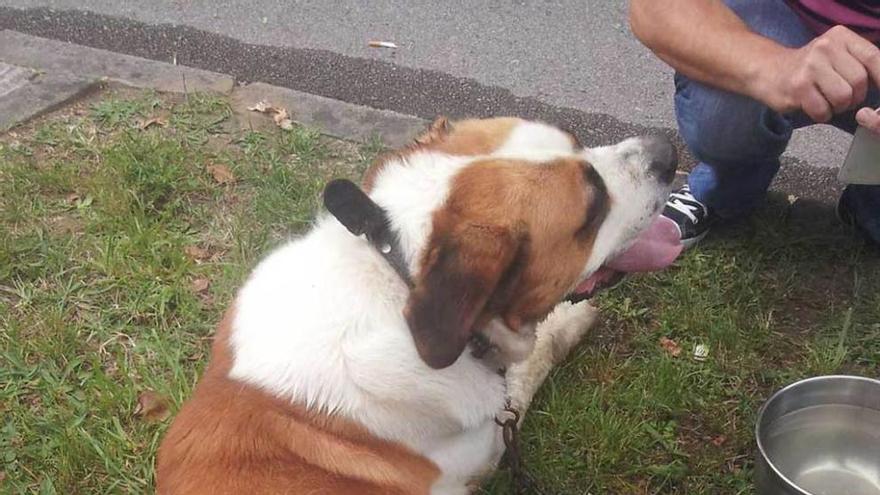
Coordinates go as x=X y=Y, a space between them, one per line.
x=708 y=42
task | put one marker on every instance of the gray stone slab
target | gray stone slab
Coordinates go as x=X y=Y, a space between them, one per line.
x=42 y=73
x=334 y=117
x=51 y=56
x=27 y=94
x=13 y=77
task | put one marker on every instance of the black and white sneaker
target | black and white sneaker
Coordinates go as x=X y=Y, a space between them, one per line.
x=691 y=216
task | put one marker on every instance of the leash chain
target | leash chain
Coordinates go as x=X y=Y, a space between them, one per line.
x=523 y=482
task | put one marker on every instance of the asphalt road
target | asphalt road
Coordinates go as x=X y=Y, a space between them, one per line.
x=574 y=63
x=576 y=55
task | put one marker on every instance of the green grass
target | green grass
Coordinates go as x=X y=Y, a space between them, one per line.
x=775 y=299
x=99 y=219
x=96 y=297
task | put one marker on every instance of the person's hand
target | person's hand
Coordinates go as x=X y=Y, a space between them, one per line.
x=829 y=75
x=869 y=119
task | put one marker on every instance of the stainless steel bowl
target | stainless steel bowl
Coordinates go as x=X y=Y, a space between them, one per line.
x=820 y=436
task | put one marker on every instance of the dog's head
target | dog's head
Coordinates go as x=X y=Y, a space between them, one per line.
x=522 y=216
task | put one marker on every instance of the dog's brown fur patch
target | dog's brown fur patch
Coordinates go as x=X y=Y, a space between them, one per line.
x=511 y=239
x=468 y=137
x=232 y=438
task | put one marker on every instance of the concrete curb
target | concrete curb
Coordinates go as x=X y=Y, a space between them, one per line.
x=57 y=56
x=334 y=117
x=38 y=93
x=64 y=70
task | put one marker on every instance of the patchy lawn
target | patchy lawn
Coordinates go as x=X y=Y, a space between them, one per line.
x=120 y=245
x=785 y=295
x=128 y=220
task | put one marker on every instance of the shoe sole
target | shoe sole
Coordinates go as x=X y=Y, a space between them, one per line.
x=693 y=241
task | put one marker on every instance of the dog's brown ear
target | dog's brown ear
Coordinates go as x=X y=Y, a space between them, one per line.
x=463 y=275
x=437 y=131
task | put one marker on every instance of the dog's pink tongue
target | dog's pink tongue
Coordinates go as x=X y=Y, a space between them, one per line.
x=657 y=247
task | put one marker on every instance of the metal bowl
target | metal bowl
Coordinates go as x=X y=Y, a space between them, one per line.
x=820 y=436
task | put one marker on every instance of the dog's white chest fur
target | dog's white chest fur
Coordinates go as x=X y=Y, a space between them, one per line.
x=320 y=322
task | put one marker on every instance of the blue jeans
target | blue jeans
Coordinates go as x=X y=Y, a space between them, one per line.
x=738 y=140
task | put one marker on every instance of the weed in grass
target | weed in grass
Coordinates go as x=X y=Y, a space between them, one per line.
x=112 y=113
x=200 y=116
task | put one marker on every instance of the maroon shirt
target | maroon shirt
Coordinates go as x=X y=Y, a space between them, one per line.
x=862 y=16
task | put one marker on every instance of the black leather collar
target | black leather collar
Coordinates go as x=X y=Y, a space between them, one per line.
x=362 y=216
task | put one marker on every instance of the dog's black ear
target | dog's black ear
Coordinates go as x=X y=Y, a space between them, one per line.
x=353 y=208
x=462 y=273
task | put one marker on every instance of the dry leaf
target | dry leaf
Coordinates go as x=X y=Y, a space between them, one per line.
x=206 y=298
x=196 y=253
x=72 y=197
x=200 y=285
x=279 y=114
x=670 y=346
x=159 y=121
x=221 y=174
x=719 y=440
x=151 y=407
x=282 y=120
x=261 y=107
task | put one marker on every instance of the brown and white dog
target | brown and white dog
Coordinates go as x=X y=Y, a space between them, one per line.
x=331 y=374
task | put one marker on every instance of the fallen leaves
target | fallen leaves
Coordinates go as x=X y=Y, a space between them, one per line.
x=78 y=201
x=262 y=107
x=196 y=253
x=719 y=440
x=670 y=346
x=151 y=407
x=221 y=174
x=200 y=285
x=154 y=121
x=279 y=114
x=282 y=120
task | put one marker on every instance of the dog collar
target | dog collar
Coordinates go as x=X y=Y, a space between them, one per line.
x=362 y=216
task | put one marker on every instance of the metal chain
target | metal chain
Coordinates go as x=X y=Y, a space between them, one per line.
x=523 y=482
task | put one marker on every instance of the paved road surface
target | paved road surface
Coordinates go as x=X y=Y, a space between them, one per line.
x=478 y=57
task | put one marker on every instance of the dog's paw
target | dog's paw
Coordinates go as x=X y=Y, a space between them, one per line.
x=566 y=325
x=508 y=346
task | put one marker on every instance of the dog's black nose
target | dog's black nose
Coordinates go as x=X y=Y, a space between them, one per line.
x=664 y=157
